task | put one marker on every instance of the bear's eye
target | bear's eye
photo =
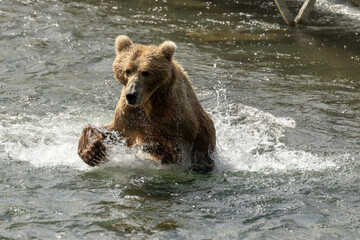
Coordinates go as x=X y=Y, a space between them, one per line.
x=128 y=72
x=145 y=73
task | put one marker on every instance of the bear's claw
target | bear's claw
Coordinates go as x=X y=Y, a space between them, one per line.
x=91 y=149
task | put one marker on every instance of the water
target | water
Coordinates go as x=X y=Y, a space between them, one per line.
x=285 y=102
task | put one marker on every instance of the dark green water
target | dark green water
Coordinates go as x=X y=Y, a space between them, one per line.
x=285 y=102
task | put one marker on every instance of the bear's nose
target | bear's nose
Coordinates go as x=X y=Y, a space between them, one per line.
x=131 y=98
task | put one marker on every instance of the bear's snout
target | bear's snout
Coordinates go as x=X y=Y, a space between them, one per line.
x=134 y=92
x=131 y=98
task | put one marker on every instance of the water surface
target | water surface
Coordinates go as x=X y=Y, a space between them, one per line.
x=285 y=102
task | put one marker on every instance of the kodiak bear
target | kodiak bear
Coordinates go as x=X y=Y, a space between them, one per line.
x=157 y=109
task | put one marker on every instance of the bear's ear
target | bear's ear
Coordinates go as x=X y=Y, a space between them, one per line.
x=168 y=49
x=122 y=42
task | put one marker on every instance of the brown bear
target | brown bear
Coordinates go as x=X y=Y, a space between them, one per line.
x=157 y=108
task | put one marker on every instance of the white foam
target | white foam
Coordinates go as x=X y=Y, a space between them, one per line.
x=52 y=140
x=251 y=140
x=43 y=142
x=339 y=7
x=247 y=140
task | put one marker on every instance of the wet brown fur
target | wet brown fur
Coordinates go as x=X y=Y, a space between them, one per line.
x=169 y=117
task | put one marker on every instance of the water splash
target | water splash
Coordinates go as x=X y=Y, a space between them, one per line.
x=44 y=142
x=51 y=141
x=247 y=140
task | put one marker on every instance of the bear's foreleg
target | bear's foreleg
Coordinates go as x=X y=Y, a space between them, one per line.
x=200 y=158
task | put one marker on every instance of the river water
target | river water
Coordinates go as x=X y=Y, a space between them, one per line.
x=285 y=102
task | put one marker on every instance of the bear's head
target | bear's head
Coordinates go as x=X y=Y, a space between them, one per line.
x=143 y=69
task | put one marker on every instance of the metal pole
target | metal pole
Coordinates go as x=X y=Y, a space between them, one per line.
x=285 y=12
x=304 y=11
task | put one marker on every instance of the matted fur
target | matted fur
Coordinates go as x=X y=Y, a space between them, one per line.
x=167 y=118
